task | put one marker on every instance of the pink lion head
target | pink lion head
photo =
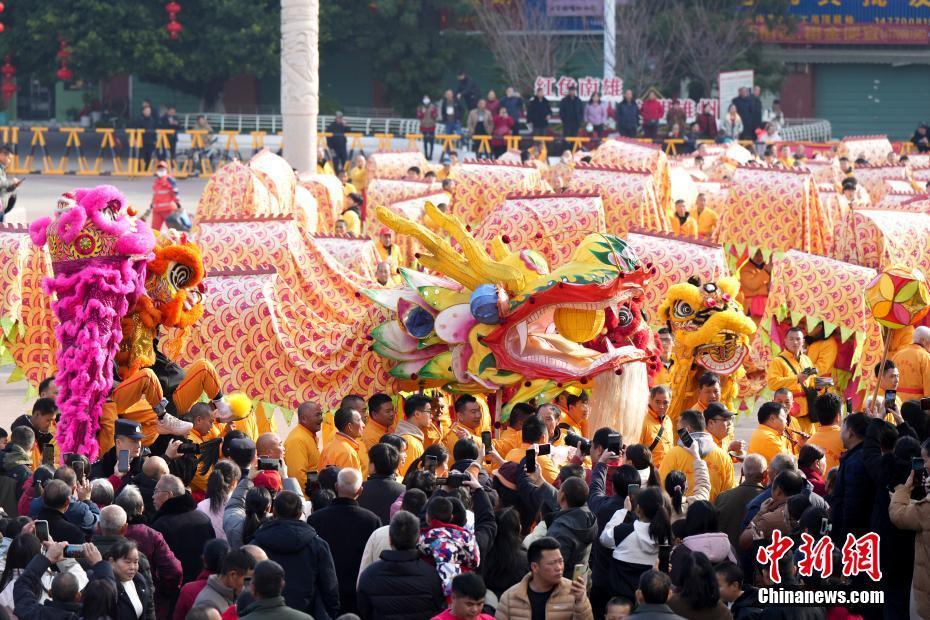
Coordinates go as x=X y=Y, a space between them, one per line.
x=92 y=223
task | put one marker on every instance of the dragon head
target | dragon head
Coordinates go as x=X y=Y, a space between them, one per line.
x=91 y=223
x=708 y=324
x=492 y=322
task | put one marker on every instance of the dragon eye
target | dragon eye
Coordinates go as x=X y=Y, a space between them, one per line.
x=682 y=309
x=179 y=275
x=625 y=317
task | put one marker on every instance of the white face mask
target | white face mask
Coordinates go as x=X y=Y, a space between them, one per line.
x=161 y=172
x=425 y=100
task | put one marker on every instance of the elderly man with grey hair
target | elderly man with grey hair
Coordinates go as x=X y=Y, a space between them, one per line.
x=346 y=527
x=731 y=504
x=166 y=568
x=779 y=463
x=913 y=362
x=184 y=527
x=112 y=530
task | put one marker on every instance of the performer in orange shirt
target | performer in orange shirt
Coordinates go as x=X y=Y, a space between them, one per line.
x=683 y=223
x=913 y=362
x=345 y=450
x=754 y=280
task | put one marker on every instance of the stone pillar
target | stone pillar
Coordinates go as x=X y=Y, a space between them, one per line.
x=300 y=83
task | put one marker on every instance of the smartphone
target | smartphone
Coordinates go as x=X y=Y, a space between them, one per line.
x=925 y=404
x=78 y=467
x=544 y=449
x=890 y=396
x=531 y=460
x=686 y=439
x=581 y=570
x=849 y=406
x=42 y=530
x=486 y=440
x=632 y=490
x=614 y=443
x=122 y=461
x=917 y=463
x=313 y=477
x=74 y=551
x=48 y=454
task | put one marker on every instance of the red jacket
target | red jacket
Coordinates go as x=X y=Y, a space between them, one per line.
x=29 y=494
x=188 y=595
x=164 y=195
x=503 y=125
x=652 y=111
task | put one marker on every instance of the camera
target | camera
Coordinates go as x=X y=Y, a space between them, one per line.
x=810 y=371
x=578 y=442
x=454 y=480
x=189 y=447
x=265 y=463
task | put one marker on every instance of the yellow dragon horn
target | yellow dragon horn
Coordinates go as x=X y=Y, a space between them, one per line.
x=474 y=268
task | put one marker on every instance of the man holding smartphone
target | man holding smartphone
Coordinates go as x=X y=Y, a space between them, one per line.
x=792 y=369
x=467 y=423
x=123 y=458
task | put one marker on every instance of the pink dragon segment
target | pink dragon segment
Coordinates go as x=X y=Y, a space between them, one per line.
x=98 y=256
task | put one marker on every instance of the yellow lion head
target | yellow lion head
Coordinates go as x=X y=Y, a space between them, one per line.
x=708 y=324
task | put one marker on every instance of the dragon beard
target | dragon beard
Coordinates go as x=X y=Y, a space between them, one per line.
x=93 y=296
x=621 y=401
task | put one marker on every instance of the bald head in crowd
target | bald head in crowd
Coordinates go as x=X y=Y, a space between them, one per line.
x=154 y=467
x=269 y=445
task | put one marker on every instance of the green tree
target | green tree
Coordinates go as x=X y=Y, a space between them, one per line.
x=221 y=38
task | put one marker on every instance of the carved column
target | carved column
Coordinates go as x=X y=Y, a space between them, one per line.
x=300 y=85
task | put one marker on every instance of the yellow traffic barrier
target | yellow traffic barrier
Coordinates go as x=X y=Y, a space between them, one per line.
x=384 y=141
x=484 y=145
x=199 y=145
x=448 y=142
x=10 y=137
x=162 y=147
x=73 y=142
x=231 y=145
x=543 y=147
x=412 y=141
x=671 y=147
x=258 y=140
x=38 y=141
x=108 y=141
x=577 y=141
x=356 y=142
x=134 y=161
x=513 y=142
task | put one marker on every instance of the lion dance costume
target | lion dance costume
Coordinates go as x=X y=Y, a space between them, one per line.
x=506 y=322
x=711 y=333
x=98 y=259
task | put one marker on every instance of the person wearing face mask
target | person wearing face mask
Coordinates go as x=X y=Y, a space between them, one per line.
x=428 y=113
x=165 y=199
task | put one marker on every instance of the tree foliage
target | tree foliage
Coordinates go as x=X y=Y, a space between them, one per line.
x=221 y=38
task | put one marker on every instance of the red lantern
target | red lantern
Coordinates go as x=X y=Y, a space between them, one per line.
x=2 y=27
x=1 y=7
x=173 y=27
x=8 y=89
x=8 y=70
x=64 y=74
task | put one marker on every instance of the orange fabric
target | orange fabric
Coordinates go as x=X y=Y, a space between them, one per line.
x=822 y=354
x=651 y=426
x=133 y=399
x=828 y=439
x=768 y=442
x=201 y=378
x=900 y=338
x=548 y=469
x=913 y=363
x=199 y=481
x=510 y=438
x=433 y=434
x=706 y=221
x=414 y=451
x=373 y=433
x=301 y=453
x=688 y=229
x=343 y=451
x=450 y=438
x=754 y=282
x=778 y=374
x=719 y=466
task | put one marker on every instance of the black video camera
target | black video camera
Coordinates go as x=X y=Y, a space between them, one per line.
x=578 y=442
x=189 y=447
x=268 y=464
x=454 y=480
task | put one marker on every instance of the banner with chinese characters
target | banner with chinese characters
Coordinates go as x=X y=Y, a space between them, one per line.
x=574 y=8
x=611 y=91
x=853 y=22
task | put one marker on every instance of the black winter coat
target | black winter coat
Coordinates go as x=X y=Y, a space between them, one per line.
x=378 y=493
x=59 y=528
x=346 y=528
x=538 y=112
x=853 y=496
x=27 y=601
x=124 y=608
x=296 y=546
x=186 y=530
x=400 y=586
